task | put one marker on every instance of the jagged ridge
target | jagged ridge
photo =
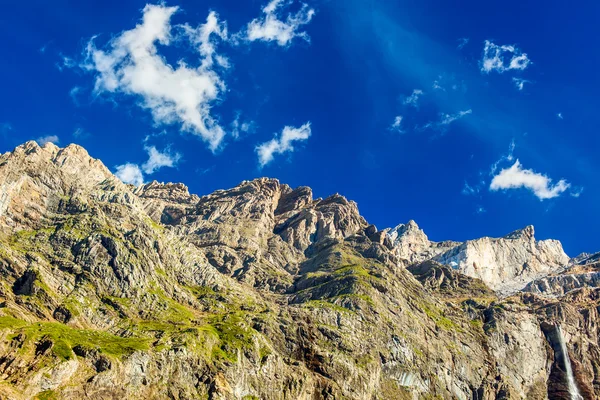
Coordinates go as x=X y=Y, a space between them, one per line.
x=112 y=291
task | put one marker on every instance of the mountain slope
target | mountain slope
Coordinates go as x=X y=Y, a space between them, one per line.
x=111 y=291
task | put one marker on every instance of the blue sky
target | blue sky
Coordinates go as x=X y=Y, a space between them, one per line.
x=473 y=120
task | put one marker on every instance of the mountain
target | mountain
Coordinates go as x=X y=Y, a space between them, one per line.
x=110 y=291
x=505 y=264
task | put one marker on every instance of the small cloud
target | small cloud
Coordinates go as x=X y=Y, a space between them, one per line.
x=445 y=120
x=73 y=93
x=283 y=144
x=502 y=58
x=47 y=139
x=462 y=42
x=65 y=63
x=469 y=190
x=506 y=157
x=80 y=133
x=413 y=99
x=520 y=83
x=204 y=171
x=239 y=127
x=576 y=192
x=397 y=124
x=179 y=94
x=157 y=160
x=480 y=210
x=134 y=174
x=271 y=28
x=559 y=116
x=437 y=86
x=130 y=173
x=516 y=177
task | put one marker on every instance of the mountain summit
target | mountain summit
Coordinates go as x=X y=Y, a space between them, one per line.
x=111 y=291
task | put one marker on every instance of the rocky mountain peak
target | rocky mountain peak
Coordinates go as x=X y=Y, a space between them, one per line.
x=527 y=233
x=261 y=291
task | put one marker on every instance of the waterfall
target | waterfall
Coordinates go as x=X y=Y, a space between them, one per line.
x=573 y=391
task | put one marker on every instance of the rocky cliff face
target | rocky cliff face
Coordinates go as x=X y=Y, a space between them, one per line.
x=505 y=264
x=109 y=291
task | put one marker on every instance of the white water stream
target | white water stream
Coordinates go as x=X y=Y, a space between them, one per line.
x=573 y=390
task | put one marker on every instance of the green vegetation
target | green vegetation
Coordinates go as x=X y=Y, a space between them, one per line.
x=64 y=338
x=440 y=320
x=326 y=304
x=234 y=335
x=47 y=395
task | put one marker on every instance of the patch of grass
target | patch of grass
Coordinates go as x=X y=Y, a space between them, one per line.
x=173 y=312
x=65 y=338
x=234 y=335
x=476 y=323
x=47 y=395
x=440 y=320
x=326 y=304
x=363 y=297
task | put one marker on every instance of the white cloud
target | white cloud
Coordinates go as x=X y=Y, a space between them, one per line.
x=267 y=150
x=560 y=116
x=47 y=139
x=130 y=173
x=506 y=157
x=73 y=93
x=516 y=177
x=413 y=99
x=134 y=174
x=503 y=58
x=238 y=126
x=520 y=83
x=437 y=86
x=270 y=28
x=462 y=42
x=480 y=210
x=576 y=192
x=445 y=120
x=469 y=190
x=157 y=160
x=397 y=124
x=174 y=95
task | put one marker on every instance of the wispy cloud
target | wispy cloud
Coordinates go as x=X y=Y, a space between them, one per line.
x=462 y=42
x=42 y=140
x=74 y=93
x=516 y=177
x=413 y=99
x=283 y=144
x=445 y=120
x=157 y=160
x=508 y=157
x=271 y=28
x=502 y=58
x=239 y=127
x=470 y=190
x=5 y=127
x=80 y=133
x=559 y=116
x=397 y=124
x=184 y=95
x=520 y=82
x=437 y=85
